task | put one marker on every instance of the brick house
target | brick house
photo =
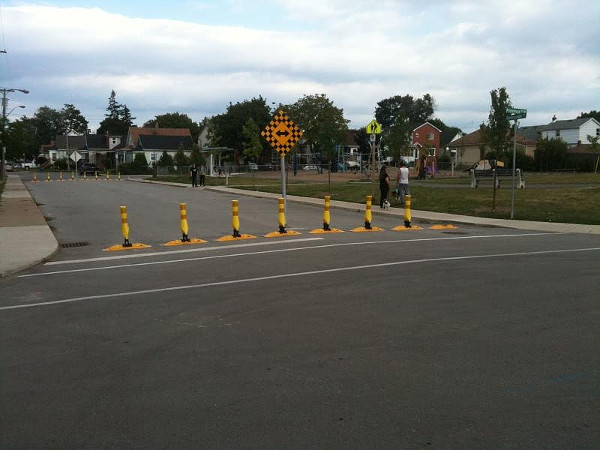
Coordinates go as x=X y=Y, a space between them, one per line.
x=426 y=139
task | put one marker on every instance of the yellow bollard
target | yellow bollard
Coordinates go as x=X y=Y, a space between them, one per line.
x=281 y=216
x=107 y=175
x=235 y=222
x=60 y=177
x=126 y=245
x=34 y=177
x=48 y=179
x=96 y=174
x=235 y=218
x=125 y=227
x=368 y=219
x=85 y=175
x=326 y=220
x=72 y=176
x=368 y=214
x=185 y=239
x=119 y=176
x=407 y=216
x=282 y=222
x=184 y=223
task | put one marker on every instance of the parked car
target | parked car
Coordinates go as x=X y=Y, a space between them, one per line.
x=88 y=168
x=9 y=167
x=27 y=165
x=310 y=167
x=252 y=166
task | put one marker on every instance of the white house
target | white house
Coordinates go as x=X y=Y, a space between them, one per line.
x=573 y=132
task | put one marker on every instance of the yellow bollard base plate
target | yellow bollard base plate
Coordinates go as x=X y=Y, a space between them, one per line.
x=278 y=234
x=231 y=238
x=119 y=247
x=403 y=228
x=442 y=227
x=322 y=231
x=192 y=241
x=366 y=230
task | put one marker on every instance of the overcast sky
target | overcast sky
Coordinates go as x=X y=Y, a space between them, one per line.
x=195 y=57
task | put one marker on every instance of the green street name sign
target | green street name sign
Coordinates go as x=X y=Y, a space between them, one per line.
x=514 y=113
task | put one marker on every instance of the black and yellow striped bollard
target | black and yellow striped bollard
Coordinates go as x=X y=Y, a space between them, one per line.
x=185 y=229
x=281 y=222
x=126 y=245
x=407 y=218
x=326 y=219
x=368 y=218
x=235 y=223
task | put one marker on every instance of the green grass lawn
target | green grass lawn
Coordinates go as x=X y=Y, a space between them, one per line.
x=553 y=204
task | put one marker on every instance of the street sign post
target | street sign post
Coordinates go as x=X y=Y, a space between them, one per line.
x=514 y=114
x=373 y=128
x=282 y=134
x=75 y=156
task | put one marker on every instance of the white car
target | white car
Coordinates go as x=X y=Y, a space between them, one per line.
x=310 y=167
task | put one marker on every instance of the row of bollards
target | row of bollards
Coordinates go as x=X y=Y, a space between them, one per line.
x=61 y=178
x=282 y=223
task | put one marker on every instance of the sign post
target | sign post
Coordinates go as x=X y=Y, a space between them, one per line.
x=514 y=114
x=282 y=134
x=75 y=156
x=373 y=129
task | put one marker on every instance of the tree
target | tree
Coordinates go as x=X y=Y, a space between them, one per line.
x=252 y=145
x=180 y=158
x=140 y=161
x=593 y=114
x=415 y=112
x=165 y=159
x=498 y=132
x=448 y=132
x=21 y=139
x=398 y=138
x=48 y=124
x=227 y=128
x=73 y=120
x=323 y=124
x=175 y=120
x=550 y=154
x=117 y=119
x=196 y=157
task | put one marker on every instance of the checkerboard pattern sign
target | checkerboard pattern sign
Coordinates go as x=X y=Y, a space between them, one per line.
x=281 y=133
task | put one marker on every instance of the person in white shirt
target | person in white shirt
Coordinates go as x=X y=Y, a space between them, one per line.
x=402 y=182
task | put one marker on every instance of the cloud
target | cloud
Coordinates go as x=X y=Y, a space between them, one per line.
x=356 y=52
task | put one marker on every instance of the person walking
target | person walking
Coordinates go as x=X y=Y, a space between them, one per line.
x=384 y=187
x=202 y=175
x=402 y=182
x=194 y=175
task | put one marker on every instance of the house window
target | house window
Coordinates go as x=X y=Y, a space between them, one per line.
x=597 y=131
x=152 y=156
x=431 y=151
x=557 y=133
x=430 y=136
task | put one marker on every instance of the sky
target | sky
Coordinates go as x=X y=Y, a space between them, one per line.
x=198 y=56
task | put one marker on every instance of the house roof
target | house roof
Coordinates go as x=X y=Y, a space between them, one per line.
x=581 y=148
x=567 y=124
x=136 y=132
x=473 y=138
x=427 y=123
x=96 y=141
x=152 y=142
x=74 y=142
x=531 y=133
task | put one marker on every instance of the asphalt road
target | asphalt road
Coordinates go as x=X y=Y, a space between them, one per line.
x=468 y=338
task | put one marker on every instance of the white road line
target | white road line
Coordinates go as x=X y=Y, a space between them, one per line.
x=291 y=275
x=174 y=252
x=262 y=252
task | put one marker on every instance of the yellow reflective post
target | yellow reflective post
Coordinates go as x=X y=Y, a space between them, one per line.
x=407 y=216
x=326 y=215
x=96 y=172
x=85 y=175
x=235 y=219
x=34 y=177
x=368 y=216
x=72 y=176
x=125 y=227
x=60 y=177
x=48 y=179
x=281 y=216
x=107 y=175
x=119 y=176
x=184 y=223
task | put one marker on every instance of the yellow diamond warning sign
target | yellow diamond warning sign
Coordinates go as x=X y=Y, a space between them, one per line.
x=281 y=133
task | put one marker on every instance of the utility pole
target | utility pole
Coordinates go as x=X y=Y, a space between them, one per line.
x=4 y=116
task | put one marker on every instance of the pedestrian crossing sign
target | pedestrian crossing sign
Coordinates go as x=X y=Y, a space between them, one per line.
x=374 y=127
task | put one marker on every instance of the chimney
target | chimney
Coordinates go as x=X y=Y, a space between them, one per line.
x=156 y=128
x=554 y=118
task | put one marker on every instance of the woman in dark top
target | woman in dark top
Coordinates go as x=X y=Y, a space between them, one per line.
x=384 y=185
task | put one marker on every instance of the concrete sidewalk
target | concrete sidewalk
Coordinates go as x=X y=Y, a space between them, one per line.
x=25 y=237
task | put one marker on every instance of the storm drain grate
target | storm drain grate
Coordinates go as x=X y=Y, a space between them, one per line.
x=73 y=244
